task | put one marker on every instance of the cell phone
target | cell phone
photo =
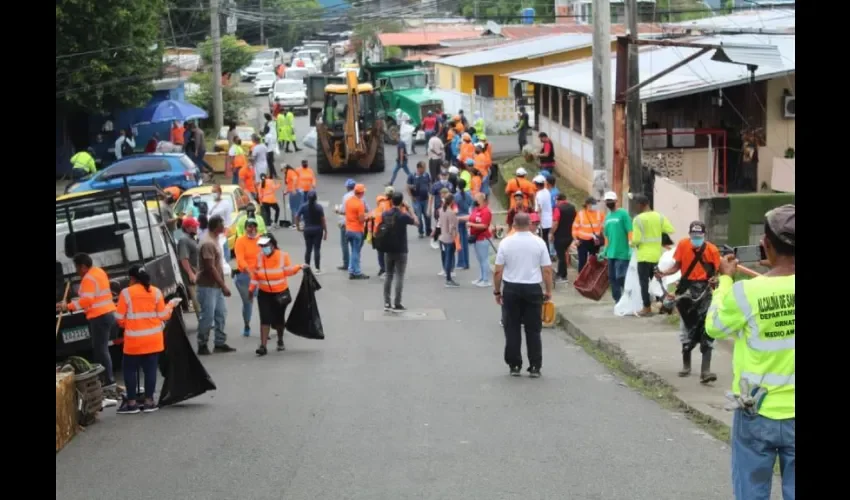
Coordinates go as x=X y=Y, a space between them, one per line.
x=749 y=253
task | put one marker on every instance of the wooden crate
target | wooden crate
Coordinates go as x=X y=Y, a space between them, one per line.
x=66 y=409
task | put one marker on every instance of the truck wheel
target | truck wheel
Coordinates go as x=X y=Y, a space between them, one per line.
x=391 y=133
x=378 y=164
x=322 y=163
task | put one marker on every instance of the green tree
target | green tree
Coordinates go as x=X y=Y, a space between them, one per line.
x=233 y=100
x=107 y=52
x=235 y=54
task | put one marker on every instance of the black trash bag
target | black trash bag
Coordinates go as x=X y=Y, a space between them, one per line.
x=693 y=307
x=184 y=375
x=304 y=320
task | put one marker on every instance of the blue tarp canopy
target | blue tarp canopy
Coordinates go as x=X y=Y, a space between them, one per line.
x=169 y=111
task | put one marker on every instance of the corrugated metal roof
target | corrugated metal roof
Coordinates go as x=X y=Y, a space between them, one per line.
x=698 y=76
x=522 y=32
x=519 y=50
x=773 y=20
x=421 y=38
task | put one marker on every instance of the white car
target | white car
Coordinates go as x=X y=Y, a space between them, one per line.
x=291 y=94
x=264 y=82
x=293 y=73
x=256 y=67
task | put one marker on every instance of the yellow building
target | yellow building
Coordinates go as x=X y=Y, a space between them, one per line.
x=484 y=71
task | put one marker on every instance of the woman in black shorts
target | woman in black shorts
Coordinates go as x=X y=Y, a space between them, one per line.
x=273 y=269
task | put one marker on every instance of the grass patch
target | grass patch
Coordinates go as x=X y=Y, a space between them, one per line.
x=507 y=169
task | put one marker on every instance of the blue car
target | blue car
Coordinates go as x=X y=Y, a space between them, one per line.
x=160 y=169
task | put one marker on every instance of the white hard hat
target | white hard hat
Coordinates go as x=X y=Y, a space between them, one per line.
x=610 y=196
x=520 y=172
x=453 y=170
x=539 y=179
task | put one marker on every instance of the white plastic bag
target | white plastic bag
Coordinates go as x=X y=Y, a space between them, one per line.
x=311 y=140
x=405 y=133
x=665 y=263
x=630 y=302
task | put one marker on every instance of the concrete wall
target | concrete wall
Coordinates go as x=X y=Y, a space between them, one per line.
x=676 y=203
x=783 y=178
x=693 y=168
x=573 y=153
x=499 y=114
x=780 y=133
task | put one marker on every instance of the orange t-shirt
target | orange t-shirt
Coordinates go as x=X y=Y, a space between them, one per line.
x=291 y=180
x=269 y=194
x=239 y=161
x=306 y=179
x=467 y=152
x=482 y=164
x=475 y=184
x=519 y=184
x=247 y=252
x=246 y=177
x=354 y=209
x=177 y=134
x=685 y=253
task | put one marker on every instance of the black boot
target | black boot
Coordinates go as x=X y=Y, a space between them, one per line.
x=706 y=376
x=686 y=362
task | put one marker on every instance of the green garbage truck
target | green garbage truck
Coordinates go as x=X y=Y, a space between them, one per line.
x=401 y=86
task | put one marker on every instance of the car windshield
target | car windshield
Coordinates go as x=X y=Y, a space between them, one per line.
x=289 y=86
x=259 y=63
x=295 y=74
x=266 y=76
x=266 y=54
x=409 y=82
x=186 y=203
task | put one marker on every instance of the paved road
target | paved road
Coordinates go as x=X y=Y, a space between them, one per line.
x=396 y=409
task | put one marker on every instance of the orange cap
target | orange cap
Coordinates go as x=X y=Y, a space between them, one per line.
x=359 y=188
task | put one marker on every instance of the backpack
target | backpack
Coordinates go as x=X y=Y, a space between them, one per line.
x=382 y=235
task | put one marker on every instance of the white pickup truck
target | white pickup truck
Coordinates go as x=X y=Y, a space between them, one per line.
x=291 y=94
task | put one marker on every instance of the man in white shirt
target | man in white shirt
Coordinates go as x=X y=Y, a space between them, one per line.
x=436 y=153
x=119 y=143
x=522 y=263
x=259 y=158
x=221 y=206
x=543 y=202
x=270 y=140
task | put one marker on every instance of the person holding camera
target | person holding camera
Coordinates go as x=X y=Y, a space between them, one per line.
x=699 y=261
x=760 y=314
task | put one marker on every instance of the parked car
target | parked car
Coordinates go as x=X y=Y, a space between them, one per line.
x=291 y=94
x=185 y=204
x=152 y=169
x=257 y=66
x=296 y=73
x=264 y=82
x=243 y=131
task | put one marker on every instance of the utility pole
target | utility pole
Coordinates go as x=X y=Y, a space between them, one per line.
x=602 y=106
x=475 y=4
x=215 y=36
x=262 y=24
x=634 y=116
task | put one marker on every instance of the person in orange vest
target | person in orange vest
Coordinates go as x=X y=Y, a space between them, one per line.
x=587 y=231
x=467 y=149
x=141 y=312
x=178 y=134
x=268 y=199
x=246 y=180
x=273 y=267
x=247 y=252
x=306 y=178
x=519 y=204
x=94 y=297
x=520 y=183
x=290 y=176
x=482 y=164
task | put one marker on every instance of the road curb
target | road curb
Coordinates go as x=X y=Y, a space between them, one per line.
x=624 y=363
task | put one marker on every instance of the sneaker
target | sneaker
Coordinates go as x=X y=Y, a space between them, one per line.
x=421 y=236
x=108 y=403
x=381 y=274
x=533 y=372
x=126 y=409
x=451 y=284
x=441 y=273
x=515 y=371
x=223 y=348
x=280 y=346
x=475 y=282
x=203 y=350
x=483 y=284
x=399 y=308
x=262 y=351
x=317 y=271
x=246 y=332
x=561 y=281
x=342 y=268
x=358 y=276
x=149 y=408
x=388 y=307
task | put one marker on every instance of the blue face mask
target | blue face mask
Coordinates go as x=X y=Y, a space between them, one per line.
x=267 y=251
x=697 y=242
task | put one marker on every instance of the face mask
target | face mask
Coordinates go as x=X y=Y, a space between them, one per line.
x=611 y=206
x=267 y=251
x=218 y=197
x=697 y=242
x=476 y=204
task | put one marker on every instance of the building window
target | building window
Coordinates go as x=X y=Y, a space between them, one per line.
x=588 y=120
x=454 y=80
x=565 y=109
x=556 y=106
x=483 y=85
x=577 y=113
x=544 y=101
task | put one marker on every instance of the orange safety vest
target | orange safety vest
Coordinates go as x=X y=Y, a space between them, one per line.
x=482 y=164
x=269 y=193
x=246 y=176
x=271 y=272
x=520 y=184
x=95 y=296
x=291 y=180
x=587 y=223
x=467 y=152
x=306 y=179
x=141 y=313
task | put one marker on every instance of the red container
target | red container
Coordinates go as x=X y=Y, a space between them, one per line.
x=592 y=281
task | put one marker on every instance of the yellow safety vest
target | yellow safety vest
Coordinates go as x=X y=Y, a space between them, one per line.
x=646 y=235
x=759 y=314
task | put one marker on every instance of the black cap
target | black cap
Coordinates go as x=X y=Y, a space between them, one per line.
x=590 y=201
x=696 y=227
x=304 y=162
x=641 y=199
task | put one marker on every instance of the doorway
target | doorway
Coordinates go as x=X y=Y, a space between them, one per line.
x=483 y=85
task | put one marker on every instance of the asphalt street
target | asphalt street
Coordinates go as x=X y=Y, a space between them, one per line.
x=418 y=406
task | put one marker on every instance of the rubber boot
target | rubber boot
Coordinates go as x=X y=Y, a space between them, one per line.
x=706 y=376
x=686 y=362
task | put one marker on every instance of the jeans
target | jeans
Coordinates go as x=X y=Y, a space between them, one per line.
x=313 y=241
x=463 y=255
x=420 y=208
x=100 y=328
x=561 y=249
x=381 y=261
x=294 y=204
x=242 y=281
x=132 y=363
x=482 y=254
x=399 y=166
x=585 y=249
x=756 y=443
x=235 y=179
x=266 y=212
x=202 y=163
x=522 y=305
x=617 y=269
x=396 y=266
x=213 y=312
x=344 y=243
x=447 y=252
x=355 y=242
x=485 y=185
x=270 y=161
x=645 y=270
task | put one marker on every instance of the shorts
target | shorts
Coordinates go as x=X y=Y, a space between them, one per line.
x=272 y=307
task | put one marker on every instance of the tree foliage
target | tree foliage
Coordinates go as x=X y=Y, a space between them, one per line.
x=235 y=54
x=234 y=101
x=107 y=52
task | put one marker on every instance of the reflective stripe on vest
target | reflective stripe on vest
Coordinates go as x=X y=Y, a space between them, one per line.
x=270 y=276
x=643 y=238
x=99 y=301
x=754 y=340
x=586 y=229
x=143 y=330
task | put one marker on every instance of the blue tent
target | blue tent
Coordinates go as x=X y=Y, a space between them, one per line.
x=169 y=110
